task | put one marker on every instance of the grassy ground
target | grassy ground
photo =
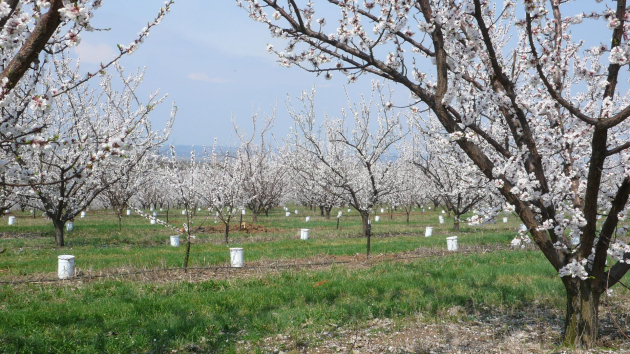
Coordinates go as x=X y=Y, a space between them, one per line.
x=236 y=314
x=99 y=245
x=124 y=316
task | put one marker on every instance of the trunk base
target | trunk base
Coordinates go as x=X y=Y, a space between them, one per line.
x=59 y=239
x=581 y=322
x=367 y=231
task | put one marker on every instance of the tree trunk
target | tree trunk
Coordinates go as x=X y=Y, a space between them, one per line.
x=58 y=224
x=581 y=321
x=227 y=232
x=321 y=210
x=187 y=254
x=328 y=209
x=119 y=222
x=367 y=231
x=254 y=217
x=456 y=223
x=408 y=218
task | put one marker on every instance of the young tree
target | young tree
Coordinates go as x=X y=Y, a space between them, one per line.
x=264 y=173
x=547 y=110
x=158 y=190
x=92 y=140
x=223 y=186
x=411 y=189
x=185 y=179
x=458 y=183
x=309 y=185
x=119 y=194
x=355 y=162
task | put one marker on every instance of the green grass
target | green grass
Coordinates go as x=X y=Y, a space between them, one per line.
x=217 y=314
x=126 y=315
x=99 y=246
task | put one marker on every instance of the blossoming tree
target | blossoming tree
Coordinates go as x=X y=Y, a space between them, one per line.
x=411 y=190
x=460 y=186
x=184 y=178
x=264 y=173
x=120 y=194
x=30 y=33
x=356 y=163
x=547 y=111
x=91 y=140
x=224 y=185
x=309 y=184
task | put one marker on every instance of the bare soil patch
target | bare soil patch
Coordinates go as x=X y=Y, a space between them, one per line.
x=21 y=235
x=235 y=227
x=538 y=330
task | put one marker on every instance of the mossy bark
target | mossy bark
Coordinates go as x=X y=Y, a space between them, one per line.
x=581 y=321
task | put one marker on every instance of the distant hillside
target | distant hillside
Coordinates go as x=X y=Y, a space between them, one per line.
x=183 y=151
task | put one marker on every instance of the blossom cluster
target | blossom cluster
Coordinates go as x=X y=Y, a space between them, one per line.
x=574 y=269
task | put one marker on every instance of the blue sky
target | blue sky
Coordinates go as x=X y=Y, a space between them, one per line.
x=212 y=61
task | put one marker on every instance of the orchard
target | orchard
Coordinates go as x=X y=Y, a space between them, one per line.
x=485 y=172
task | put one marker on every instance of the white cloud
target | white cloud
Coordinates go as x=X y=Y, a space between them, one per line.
x=205 y=78
x=94 y=54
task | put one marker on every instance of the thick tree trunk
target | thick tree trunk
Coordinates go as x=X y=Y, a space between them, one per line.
x=58 y=224
x=227 y=232
x=581 y=321
x=255 y=217
x=328 y=209
x=408 y=218
x=321 y=210
x=367 y=231
x=456 y=223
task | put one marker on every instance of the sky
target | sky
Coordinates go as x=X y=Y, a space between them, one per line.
x=212 y=61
